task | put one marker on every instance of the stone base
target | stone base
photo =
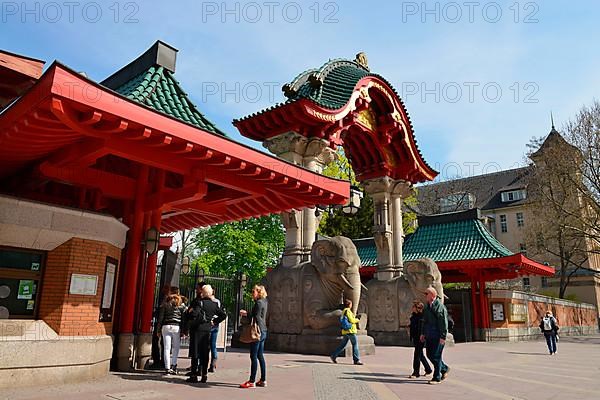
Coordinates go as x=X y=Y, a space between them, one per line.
x=400 y=338
x=33 y=354
x=143 y=350
x=321 y=345
x=125 y=352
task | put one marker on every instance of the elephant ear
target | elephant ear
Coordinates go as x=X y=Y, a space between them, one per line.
x=323 y=255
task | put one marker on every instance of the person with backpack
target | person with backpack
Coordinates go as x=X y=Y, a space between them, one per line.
x=201 y=315
x=435 y=329
x=549 y=327
x=348 y=323
x=169 y=324
x=416 y=322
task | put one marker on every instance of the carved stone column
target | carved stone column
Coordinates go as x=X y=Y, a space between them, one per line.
x=316 y=157
x=379 y=190
x=301 y=226
x=400 y=190
x=387 y=197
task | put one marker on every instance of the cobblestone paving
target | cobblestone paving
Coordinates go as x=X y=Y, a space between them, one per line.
x=506 y=371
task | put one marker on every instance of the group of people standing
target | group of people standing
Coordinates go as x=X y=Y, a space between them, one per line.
x=200 y=320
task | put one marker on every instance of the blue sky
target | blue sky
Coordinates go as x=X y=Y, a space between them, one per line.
x=479 y=79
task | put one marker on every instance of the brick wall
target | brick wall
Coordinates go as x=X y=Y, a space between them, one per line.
x=75 y=315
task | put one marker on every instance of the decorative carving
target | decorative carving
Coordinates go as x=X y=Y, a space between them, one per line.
x=361 y=59
x=315 y=288
x=289 y=142
x=390 y=302
x=367 y=118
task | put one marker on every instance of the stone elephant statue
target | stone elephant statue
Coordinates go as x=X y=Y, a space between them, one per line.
x=306 y=297
x=389 y=303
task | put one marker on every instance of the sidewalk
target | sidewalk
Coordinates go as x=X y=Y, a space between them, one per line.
x=478 y=371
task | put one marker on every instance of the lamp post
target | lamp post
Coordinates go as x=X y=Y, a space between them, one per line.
x=185 y=265
x=152 y=240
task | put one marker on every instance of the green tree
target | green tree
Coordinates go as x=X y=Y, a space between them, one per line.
x=250 y=246
x=359 y=225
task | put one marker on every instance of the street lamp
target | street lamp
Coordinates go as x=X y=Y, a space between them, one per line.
x=152 y=240
x=201 y=274
x=185 y=265
x=353 y=204
x=243 y=280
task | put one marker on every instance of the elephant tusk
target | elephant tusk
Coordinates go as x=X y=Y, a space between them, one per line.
x=345 y=280
x=364 y=287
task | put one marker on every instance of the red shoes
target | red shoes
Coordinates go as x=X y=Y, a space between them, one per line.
x=252 y=385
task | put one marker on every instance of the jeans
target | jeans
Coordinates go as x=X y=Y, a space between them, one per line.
x=352 y=338
x=214 y=334
x=171 y=342
x=257 y=356
x=434 y=351
x=551 y=341
x=419 y=358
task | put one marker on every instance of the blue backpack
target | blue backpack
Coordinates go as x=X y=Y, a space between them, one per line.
x=346 y=324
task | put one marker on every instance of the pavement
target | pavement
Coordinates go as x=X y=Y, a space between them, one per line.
x=504 y=370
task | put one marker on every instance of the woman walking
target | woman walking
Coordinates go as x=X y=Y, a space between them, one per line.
x=349 y=334
x=259 y=314
x=416 y=324
x=214 y=334
x=169 y=324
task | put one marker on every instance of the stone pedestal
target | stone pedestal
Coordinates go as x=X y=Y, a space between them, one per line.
x=125 y=351
x=317 y=344
x=143 y=351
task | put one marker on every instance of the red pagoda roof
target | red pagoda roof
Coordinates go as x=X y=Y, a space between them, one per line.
x=71 y=141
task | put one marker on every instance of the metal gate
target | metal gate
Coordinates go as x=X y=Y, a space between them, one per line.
x=229 y=290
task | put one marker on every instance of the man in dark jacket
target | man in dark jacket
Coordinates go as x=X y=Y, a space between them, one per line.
x=199 y=320
x=416 y=326
x=435 y=329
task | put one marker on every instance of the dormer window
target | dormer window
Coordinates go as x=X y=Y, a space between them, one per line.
x=513 y=195
x=457 y=202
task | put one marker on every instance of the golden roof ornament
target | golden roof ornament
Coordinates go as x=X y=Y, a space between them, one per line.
x=361 y=59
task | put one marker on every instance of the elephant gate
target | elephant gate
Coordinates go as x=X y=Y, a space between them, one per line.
x=341 y=104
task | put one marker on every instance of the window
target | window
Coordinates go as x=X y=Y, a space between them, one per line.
x=503 y=224
x=523 y=248
x=544 y=281
x=520 y=219
x=20 y=275
x=526 y=282
x=513 y=195
x=457 y=202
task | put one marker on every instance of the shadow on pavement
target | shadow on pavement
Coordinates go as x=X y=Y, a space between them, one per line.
x=310 y=361
x=379 y=380
x=528 y=354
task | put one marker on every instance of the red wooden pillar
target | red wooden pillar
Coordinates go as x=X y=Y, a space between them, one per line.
x=150 y=275
x=475 y=302
x=134 y=247
x=485 y=317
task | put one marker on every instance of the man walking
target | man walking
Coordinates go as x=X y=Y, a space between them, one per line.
x=435 y=329
x=549 y=328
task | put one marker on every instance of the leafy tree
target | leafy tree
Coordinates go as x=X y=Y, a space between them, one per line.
x=250 y=246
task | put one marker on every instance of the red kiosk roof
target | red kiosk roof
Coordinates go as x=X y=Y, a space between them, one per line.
x=70 y=132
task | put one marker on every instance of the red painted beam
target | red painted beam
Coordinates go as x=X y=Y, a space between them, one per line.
x=111 y=185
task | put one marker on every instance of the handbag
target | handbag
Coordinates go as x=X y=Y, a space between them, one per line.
x=250 y=333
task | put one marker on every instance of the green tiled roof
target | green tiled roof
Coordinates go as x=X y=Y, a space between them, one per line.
x=452 y=241
x=157 y=88
x=335 y=82
x=367 y=252
x=446 y=241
